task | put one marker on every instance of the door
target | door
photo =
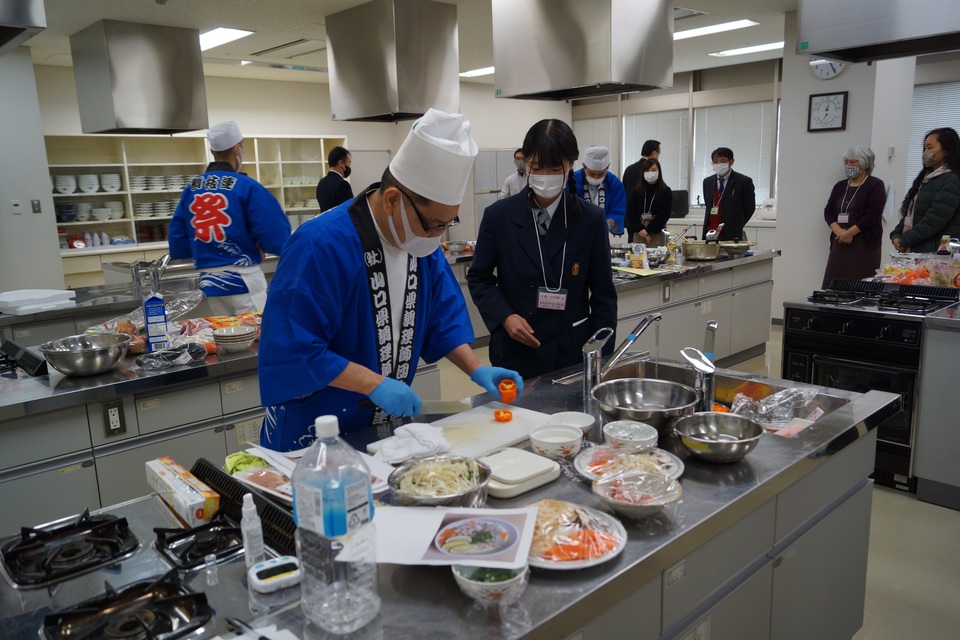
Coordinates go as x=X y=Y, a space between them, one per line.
x=750 y=317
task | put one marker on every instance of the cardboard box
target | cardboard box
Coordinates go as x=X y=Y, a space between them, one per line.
x=155 y=321
x=192 y=500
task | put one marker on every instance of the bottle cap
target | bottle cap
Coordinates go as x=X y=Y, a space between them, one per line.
x=248 y=505
x=326 y=426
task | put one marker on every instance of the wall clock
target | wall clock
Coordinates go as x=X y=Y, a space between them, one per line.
x=828 y=112
x=826 y=69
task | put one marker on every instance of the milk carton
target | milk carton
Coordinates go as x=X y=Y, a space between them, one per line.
x=155 y=319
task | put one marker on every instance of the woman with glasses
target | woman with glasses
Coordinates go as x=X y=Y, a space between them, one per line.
x=541 y=275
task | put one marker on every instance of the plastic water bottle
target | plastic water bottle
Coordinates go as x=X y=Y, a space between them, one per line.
x=252 y=531
x=333 y=509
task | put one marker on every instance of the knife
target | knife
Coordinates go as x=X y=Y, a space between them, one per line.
x=430 y=407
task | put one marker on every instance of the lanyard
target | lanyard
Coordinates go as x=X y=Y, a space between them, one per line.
x=563 y=258
x=844 y=203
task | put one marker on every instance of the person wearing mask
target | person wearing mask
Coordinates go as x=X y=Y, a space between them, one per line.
x=634 y=173
x=363 y=292
x=515 y=182
x=541 y=275
x=225 y=221
x=730 y=197
x=931 y=208
x=854 y=213
x=648 y=206
x=597 y=185
x=333 y=188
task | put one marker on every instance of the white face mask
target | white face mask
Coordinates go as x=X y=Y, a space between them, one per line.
x=546 y=186
x=594 y=181
x=651 y=176
x=415 y=245
x=721 y=169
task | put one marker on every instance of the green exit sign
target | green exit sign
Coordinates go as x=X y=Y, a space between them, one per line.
x=804 y=45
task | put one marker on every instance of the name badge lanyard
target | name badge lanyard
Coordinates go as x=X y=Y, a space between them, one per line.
x=717 y=195
x=843 y=216
x=547 y=298
x=647 y=214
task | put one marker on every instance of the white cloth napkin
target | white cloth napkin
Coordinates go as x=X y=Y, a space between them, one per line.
x=414 y=440
x=271 y=633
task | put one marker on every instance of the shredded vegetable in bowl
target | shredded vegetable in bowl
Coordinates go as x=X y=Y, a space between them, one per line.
x=441 y=480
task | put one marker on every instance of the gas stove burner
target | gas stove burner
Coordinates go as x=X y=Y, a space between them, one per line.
x=160 y=608
x=46 y=555
x=187 y=549
x=836 y=297
x=895 y=301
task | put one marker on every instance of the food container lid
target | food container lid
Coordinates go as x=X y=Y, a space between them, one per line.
x=34 y=296
x=515 y=466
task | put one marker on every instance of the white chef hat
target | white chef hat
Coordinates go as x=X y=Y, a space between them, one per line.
x=596 y=157
x=436 y=159
x=224 y=135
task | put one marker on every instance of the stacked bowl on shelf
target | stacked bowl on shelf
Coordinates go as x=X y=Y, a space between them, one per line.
x=88 y=183
x=83 y=211
x=156 y=183
x=101 y=213
x=116 y=208
x=65 y=184
x=175 y=183
x=138 y=183
x=143 y=210
x=162 y=209
x=110 y=182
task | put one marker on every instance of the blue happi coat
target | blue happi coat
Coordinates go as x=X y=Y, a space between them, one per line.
x=615 y=207
x=319 y=317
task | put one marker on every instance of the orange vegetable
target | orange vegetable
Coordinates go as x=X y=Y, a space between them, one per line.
x=720 y=408
x=582 y=545
x=211 y=348
x=508 y=391
x=503 y=415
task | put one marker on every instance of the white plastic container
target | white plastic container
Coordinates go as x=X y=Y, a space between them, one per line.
x=252 y=531
x=333 y=509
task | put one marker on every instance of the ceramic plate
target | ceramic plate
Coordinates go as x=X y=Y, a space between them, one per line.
x=609 y=525
x=671 y=464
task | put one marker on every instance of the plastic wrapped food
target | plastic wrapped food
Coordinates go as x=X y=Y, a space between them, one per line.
x=778 y=408
x=565 y=532
x=173 y=357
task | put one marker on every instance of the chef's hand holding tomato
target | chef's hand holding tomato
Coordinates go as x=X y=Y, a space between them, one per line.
x=490 y=378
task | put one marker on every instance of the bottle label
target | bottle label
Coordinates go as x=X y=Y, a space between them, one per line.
x=357 y=499
x=338 y=512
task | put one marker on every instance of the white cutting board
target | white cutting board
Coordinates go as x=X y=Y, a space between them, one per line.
x=475 y=432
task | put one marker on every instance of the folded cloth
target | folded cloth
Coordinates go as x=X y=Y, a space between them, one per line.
x=242 y=461
x=414 y=440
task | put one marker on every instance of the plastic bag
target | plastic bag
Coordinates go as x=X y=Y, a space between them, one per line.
x=173 y=357
x=176 y=306
x=778 y=408
x=566 y=532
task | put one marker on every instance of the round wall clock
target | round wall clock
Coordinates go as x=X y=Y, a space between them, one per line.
x=826 y=69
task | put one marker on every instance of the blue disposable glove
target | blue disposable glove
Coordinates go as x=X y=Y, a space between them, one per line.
x=396 y=398
x=490 y=377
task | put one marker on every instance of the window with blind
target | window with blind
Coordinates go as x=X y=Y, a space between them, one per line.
x=670 y=128
x=747 y=129
x=934 y=106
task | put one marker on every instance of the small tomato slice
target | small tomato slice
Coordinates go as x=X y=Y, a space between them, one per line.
x=508 y=391
x=503 y=415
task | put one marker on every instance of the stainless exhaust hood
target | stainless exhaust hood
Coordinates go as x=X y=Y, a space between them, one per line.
x=563 y=49
x=393 y=59
x=864 y=30
x=139 y=78
x=20 y=20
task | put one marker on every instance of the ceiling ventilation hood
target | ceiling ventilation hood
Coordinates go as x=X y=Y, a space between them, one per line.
x=864 y=30
x=563 y=49
x=139 y=78
x=20 y=21
x=393 y=59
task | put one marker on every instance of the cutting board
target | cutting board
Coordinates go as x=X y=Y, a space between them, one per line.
x=638 y=272
x=475 y=432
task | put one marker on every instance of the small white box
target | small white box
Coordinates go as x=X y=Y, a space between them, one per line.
x=192 y=500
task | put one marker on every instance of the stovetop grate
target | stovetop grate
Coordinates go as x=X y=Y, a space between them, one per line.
x=187 y=549
x=278 y=526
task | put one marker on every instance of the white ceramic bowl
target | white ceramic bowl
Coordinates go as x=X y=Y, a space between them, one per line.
x=576 y=418
x=491 y=593
x=83 y=216
x=637 y=494
x=630 y=435
x=101 y=213
x=241 y=332
x=557 y=441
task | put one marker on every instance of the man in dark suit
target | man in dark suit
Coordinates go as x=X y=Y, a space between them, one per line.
x=729 y=196
x=633 y=173
x=333 y=189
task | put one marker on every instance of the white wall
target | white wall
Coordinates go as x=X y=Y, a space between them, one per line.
x=29 y=249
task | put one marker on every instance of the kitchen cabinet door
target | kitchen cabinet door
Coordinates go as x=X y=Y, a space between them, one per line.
x=46 y=493
x=744 y=614
x=750 y=317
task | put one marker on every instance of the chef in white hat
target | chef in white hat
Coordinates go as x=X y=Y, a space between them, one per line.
x=363 y=292
x=598 y=186
x=225 y=221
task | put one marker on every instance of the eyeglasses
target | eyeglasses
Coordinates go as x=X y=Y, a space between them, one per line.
x=423 y=223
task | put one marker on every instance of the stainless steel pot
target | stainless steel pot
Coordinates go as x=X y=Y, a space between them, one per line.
x=700 y=250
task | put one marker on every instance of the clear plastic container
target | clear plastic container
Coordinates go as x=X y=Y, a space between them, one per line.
x=333 y=509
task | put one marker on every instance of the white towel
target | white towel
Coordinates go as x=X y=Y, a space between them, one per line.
x=414 y=440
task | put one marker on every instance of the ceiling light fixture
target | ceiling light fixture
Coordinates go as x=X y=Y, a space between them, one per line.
x=770 y=46
x=219 y=36
x=246 y=62
x=486 y=71
x=716 y=28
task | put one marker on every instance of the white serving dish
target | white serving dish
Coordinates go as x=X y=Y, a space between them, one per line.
x=516 y=471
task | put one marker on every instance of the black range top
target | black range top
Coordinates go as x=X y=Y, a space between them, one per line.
x=858 y=296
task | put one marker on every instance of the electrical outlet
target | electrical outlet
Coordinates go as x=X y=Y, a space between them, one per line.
x=676 y=573
x=15 y=207
x=35 y=206
x=113 y=420
x=700 y=632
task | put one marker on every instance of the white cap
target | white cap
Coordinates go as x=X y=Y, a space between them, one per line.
x=224 y=135
x=436 y=159
x=326 y=427
x=596 y=157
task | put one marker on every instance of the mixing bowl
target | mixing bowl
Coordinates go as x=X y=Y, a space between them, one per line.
x=637 y=494
x=718 y=437
x=86 y=355
x=700 y=250
x=655 y=402
x=421 y=472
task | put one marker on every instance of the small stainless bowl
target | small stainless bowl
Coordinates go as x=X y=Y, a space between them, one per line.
x=718 y=437
x=86 y=355
x=474 y=497
x=656 y=402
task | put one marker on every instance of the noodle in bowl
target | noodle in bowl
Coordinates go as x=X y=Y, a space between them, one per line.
x=447 y=480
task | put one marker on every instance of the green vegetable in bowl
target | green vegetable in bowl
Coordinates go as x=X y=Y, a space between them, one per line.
x=484 y=574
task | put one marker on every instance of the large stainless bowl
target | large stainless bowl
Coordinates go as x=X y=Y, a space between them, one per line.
x=656 y=402
x=718 y=437
x=473 y=497
x=86 y=355
x=700 y=250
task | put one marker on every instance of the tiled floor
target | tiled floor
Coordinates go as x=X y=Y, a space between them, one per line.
x=913 y=570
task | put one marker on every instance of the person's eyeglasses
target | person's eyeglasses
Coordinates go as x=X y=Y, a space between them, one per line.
x=423 y=223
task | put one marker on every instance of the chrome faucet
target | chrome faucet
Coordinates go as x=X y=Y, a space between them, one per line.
x=706 y=376
x=637 y=331
x=154 y=271
x=591 y=361
x=710 y=339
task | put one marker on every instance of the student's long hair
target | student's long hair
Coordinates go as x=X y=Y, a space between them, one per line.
x=553 y=143
x=949 y=142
